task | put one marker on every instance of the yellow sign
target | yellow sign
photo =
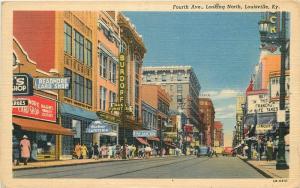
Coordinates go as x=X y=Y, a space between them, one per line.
x=122 y=79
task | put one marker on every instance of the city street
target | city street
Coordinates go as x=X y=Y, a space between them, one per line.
x=169 y=167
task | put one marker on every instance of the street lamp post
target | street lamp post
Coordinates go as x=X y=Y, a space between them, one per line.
x=282 y=42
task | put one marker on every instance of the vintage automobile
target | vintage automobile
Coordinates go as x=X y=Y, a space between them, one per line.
x=202 y=151
x=228 y=151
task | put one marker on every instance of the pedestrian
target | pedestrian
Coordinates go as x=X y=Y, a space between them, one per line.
x=109 y=151
x=34 y=151
x=16 y=151
x=90 y=150
x=25 y=149
x=177 y=151
x=84 y=151
x=275 y=147
x=148 y=151
x=118 y=151
x=127 y=151
x=95 y=151
x=77 y=151
x=269 y=149
x=143 y=151
x=133 y=151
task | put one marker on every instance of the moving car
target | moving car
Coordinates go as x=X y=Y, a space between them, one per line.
x=228 y=151
x=202 y=151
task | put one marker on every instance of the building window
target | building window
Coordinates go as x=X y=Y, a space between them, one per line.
x=114 y=72
x=112 y=98
x=148 y=78
x=136 y=112
x=103 y=65
x=179 y=77
x=179 y=89
x=79 y=47
x=137 y=67
x=68 y=92
x=137 y=90
x=123 y=47
x=163 y=77
x=88 y=53
x=88 y=92
x=179 y=98
x=102 y=98
x=79 y=88
x=68 y=38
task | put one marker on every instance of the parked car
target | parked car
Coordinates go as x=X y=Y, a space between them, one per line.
x=228 y=151
x=202 y=151
x=218 y=150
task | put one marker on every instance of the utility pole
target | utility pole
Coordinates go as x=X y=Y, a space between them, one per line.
x=281 y=162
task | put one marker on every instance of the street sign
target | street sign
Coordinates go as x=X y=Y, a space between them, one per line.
x=20 y=102
x=22 y=84
x=52 y=83
x=144 y=133
x=281 y=116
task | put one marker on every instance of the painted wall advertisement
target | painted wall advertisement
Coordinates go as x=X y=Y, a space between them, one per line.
x=38 y=108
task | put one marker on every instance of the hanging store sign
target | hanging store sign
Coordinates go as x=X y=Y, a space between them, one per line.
x=122 y=79
x=263 y=128
x=144 y=133
x=98 y=127
x=261 y=104
x=38 y=108
x=22 y=84
x=52 y=83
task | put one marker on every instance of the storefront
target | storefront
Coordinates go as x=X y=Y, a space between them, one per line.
x=112 y=137
x=38 y=120
x=77 y=119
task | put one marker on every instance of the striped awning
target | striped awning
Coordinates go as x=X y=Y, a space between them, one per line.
x=153 y=139
x=142 y=141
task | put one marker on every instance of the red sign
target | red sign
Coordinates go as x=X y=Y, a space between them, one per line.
x=38 y=107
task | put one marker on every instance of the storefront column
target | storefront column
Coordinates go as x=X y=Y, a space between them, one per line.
x=57 y=147
x=96 y=138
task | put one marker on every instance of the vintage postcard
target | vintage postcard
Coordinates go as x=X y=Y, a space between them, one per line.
x=150 y=94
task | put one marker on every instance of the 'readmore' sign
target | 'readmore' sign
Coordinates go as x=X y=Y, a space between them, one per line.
x=52 y=83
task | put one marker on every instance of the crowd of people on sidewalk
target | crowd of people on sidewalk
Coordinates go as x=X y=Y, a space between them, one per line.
x=94 y=151
x=263 y=148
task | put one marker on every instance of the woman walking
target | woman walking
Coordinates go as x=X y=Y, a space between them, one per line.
x=77 y=151
x=34 y=151
x=25 y=149
x=84 y=151
x=269 y=149
x=96 y=151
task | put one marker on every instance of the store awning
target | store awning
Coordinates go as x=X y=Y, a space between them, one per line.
x=41 y=126
x=142 y=141
x=153 y=139
x=75 y=111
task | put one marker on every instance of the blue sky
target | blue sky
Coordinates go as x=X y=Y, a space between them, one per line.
x=222 y=48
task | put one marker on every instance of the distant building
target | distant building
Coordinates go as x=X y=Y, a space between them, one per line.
x=219 y=135
x=240 y=100
x=183 y=86
x=207 y=111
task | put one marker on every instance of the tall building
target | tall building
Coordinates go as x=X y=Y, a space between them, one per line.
x=133 y=47
x=182 y=84
x=206 y=108
x=219 y=135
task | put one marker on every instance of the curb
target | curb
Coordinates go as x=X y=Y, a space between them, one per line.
x=70 y=164
x=257 y=169
x=76 y=164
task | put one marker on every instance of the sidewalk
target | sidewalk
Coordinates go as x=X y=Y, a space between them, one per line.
x=268 y=169
x=69 y=162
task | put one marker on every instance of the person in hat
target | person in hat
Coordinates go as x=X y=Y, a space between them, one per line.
x=25 y=149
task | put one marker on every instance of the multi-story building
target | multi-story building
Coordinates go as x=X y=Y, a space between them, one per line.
x=39 y=120
x=159 y=100
x=132 y=46
x=108 y=46
x=182 y=84
x=207 y=110
x=63 y=43
x=219 y=137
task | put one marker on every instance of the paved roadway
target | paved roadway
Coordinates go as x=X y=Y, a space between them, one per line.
x=170 y=167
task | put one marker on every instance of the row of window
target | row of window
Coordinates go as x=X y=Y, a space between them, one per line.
x=81 y=88
x=163 y=107
x=149 y=119
x=108 y=67
x=82 y=47
x=163 y=77
x=103 y=94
